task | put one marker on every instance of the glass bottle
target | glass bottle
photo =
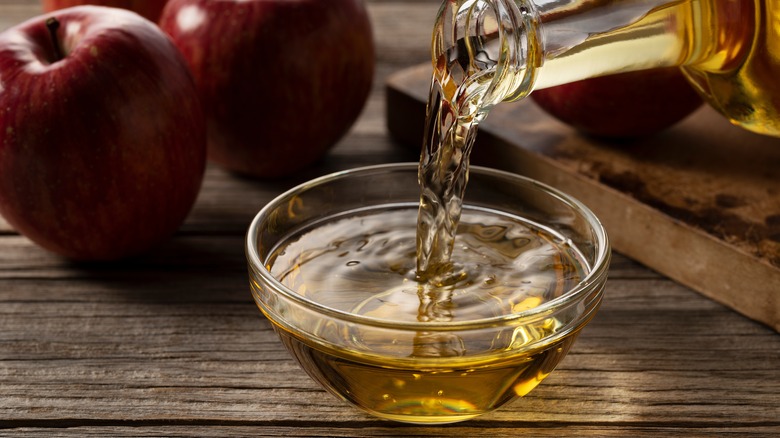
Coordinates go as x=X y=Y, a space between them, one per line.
x=500 y=50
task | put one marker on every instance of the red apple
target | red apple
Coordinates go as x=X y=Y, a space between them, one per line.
x=622 y=105
x=150 y=9
x=281 y=81
x=102 y=136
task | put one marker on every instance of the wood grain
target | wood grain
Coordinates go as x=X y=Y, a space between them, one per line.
x=171 y=344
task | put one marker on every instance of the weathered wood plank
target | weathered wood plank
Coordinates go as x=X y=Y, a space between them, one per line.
x=169 y=332
x=126 y=343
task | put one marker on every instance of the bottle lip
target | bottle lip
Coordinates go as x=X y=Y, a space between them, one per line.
x=487 y=51
x=591 y=284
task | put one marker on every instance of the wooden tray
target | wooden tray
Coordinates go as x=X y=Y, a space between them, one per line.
x=699 y=203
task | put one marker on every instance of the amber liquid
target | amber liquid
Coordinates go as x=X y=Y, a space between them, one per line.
x=364 y=263
x=413 y=391
x=730 y=50
x=734 y=60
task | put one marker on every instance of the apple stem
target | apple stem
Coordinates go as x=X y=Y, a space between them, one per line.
x=53 y=24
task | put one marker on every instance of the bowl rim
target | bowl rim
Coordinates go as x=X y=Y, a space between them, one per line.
x=594 y=278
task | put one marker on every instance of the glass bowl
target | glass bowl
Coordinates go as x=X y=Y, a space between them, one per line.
x=332 y=267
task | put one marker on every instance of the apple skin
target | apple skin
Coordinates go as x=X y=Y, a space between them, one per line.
x=281 y=81
x=624 y=105
x=149 y=9
x=102 y=152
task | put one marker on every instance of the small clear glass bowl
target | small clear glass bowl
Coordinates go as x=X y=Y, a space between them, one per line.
x=425 y=371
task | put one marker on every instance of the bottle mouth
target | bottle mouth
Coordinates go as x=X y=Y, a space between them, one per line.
x=487 y=50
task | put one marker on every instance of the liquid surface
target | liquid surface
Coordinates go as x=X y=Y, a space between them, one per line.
x=365 y=264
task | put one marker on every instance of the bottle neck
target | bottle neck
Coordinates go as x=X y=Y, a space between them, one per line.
x=582 y=39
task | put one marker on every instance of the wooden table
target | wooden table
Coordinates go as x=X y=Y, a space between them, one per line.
x=172 y=344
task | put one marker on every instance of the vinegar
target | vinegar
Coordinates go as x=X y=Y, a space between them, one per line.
x=363 y=263
x=733 y=58
x=729 y=50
